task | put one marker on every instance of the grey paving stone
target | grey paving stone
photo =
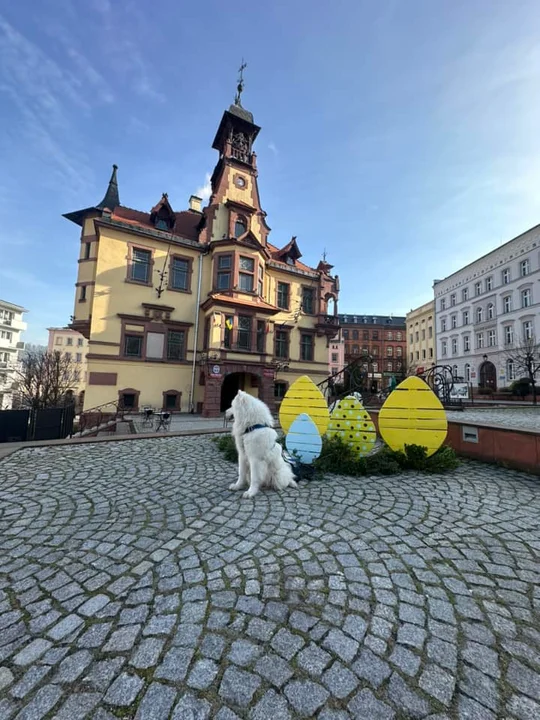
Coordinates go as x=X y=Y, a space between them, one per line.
x=469 y=709
x=42 y=703
x=147 y=653
x=28 y=682
x=405 y=660
x=175 y=664
x=275 y=670
x=202 y=674
x=124 y=690
x=524 y=679
x=93 y=605
x=339 y=680
x=271 y=705
x=523 y=708
x=261 y=629
x=65 y=627
x=371 y=668
x=479 y=687
x=6 y=678
x=438 y=683
x=286 y=643
x=123 y=639
x=95 y=635
x=306 y=697
x=156 y=703
x=78 y=706
x=102 y=673
x=365 y=705
x=31 y=652
x=342 y=645
x=412 y=635
x=405 y=698
x=244 y=652
x=238 y=686
x=190 y=707
x=73 y=666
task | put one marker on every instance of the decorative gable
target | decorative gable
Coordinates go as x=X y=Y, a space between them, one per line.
x=162 y=215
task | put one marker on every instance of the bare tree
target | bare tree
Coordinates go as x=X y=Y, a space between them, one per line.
x=526 y=358
x=45 y=378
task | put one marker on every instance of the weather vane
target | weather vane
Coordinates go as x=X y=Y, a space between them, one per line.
x=240 y=86
x=324 y=255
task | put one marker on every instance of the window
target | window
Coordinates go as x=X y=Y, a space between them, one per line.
x=244 y=332
x=375 y=335
x=389 y=367
x=454 y=346
x=423 y=354
x=141 y=261
x=389 y=336
x=306 y=347
x=67 y=356
x=59 y=341
x=443 y=325
x=355 y=334
x=87 y=248
x=454 y=371
x=224 y=272
x=527 y=330
x=508 y=335
x=416 y=336
x=418 y=354
x=399 y=336
x=245 y=276
x=524 y=268
x=282 y=345
x=443 y=304
x=375 y=350
x=423 y=333
x=280 y=388
x=227 y=334
x=180 y=274
x=479 y=314
x=507 y=304
x=491 y=338
x=399 y=351
x=365 y=335
x=240 y=226
x=465 y=294
x=171 y=401
x=430 y=332
x=129 y=401
x=375 y=367
x=260 y=282
x=465 y=317
x=261 y=333
x=356 y=350
x=411 y=357
x=525 y=298
x=69 y=341
x=478 y=288
x=467 y=372
x=430 y=352
x=308 y=305
x=491 y=311
x=466 y=343
x=79 y=357
x=283 y=299
x=453 y=299
x=176 y=344
x=345 y=334
x=479 y=340
x=453 y=322
x=411 y=338
x=161 y=223
x=82 y=297
x=389 y=351
x=505 y=276
x=133 y=345
x=334 y=357
x=444 y=347
x=510 y=369
x=489 y=283
x=80 y=342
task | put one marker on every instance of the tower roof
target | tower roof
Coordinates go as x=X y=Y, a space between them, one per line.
x=110 y=200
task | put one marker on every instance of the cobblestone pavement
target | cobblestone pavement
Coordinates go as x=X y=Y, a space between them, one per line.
x=519 y=418
x=133 y=584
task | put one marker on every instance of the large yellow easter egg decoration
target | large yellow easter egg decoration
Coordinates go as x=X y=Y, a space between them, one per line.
x=304 y=396
x=350 y=421
x=413 y=415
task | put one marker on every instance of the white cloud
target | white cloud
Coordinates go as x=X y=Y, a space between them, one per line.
x=205 y=190
x=273 y=148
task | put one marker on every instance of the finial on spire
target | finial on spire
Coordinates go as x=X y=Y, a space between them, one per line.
x=240 y=86
x=324 y=255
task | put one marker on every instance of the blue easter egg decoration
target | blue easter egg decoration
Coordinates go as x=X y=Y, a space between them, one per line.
x=303 y=439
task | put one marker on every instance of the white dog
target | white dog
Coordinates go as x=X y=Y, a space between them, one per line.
x=260 y=459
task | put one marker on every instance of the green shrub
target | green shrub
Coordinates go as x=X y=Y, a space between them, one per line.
x=339 y=458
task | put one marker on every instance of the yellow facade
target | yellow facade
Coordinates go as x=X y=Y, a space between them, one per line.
x=182 y=309
x=421 y=347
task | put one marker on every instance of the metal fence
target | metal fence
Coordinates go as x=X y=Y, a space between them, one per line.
x=46 y=424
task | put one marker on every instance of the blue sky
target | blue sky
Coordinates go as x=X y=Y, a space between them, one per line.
x=402 y=136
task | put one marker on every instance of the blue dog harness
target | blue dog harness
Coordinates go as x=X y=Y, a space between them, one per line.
x=251 y=428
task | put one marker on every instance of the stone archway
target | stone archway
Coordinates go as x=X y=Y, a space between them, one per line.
x=216 y=375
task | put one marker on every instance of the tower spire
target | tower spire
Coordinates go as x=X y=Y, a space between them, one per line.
x=112 y=198
x=240 y=86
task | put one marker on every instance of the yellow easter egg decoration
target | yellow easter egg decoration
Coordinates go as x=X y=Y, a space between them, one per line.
x=413 y=415
x=350 y=421
x=304 y=396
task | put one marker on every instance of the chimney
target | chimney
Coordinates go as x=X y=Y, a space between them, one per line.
x=195 y=203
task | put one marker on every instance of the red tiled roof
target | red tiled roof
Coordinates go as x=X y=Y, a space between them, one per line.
x=276 y=252
x=185 y=225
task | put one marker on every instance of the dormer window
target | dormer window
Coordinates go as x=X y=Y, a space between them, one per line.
x=240 y=226
x=162 y=224
x=290 y=260
x=162 y=215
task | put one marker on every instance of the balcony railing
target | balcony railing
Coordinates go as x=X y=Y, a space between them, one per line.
x=332 y=320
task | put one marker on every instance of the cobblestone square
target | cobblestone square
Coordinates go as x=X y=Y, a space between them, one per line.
x=134 y=584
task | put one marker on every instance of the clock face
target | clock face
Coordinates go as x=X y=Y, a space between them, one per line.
x=240 y=182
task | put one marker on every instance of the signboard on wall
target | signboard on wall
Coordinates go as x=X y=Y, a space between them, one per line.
x=459 y=391
x=269 y=372
x=215 y=371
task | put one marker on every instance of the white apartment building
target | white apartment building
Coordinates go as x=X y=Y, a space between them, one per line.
x=482 y=310
x=11 y=327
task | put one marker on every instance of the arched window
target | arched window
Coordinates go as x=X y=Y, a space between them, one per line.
x=240 y=226
x=491 y=311
x=467 y=372
x=479 y=314
x=454 y=371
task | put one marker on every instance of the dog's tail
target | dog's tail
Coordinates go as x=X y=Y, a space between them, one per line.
x=281 y=473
